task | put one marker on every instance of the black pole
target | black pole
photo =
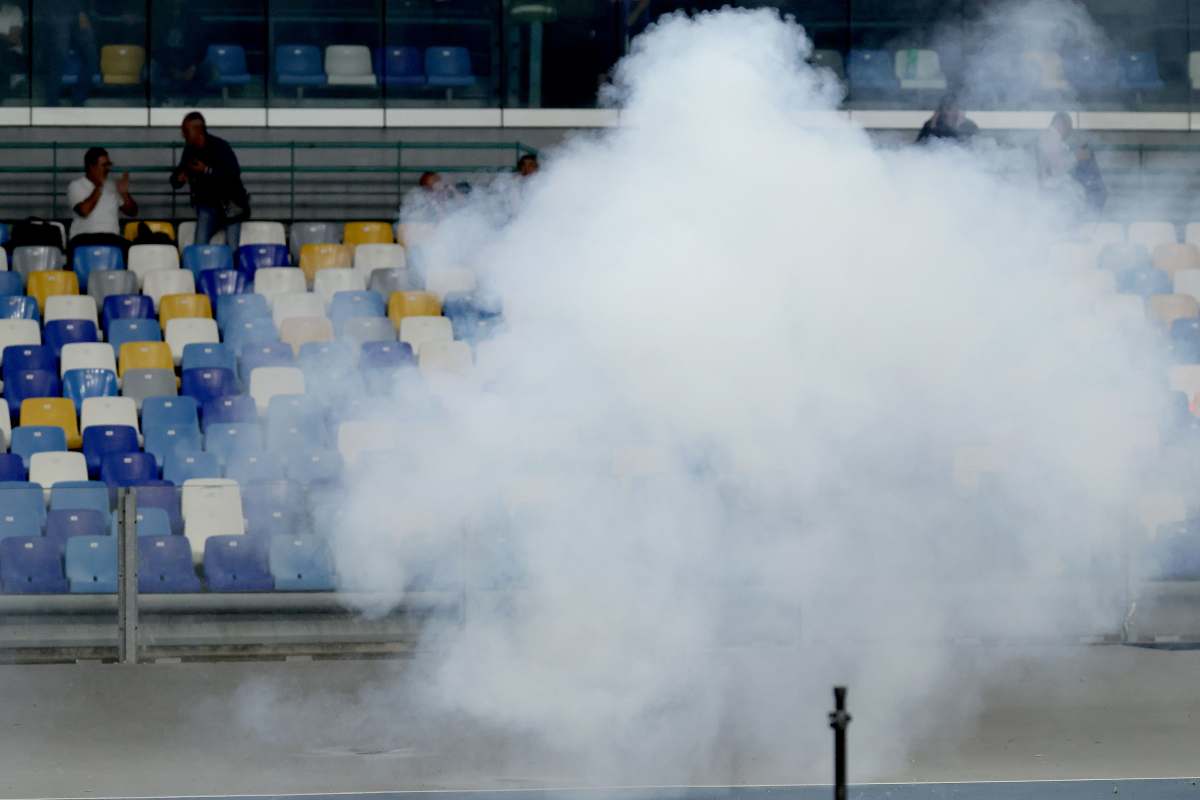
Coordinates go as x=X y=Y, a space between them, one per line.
x=839 y=720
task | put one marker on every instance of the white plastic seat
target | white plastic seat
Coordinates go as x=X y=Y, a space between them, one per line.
x=53 y=467
x=271 y=282
x=356 y=437
x=297 y=304
x=1187 y=281
x=445 y=357
x=172 y=281
x=185 y=234
x=87 y=355
x=1191 y=233
x=370 y=257
x=1152 y=234
x=349 y=65
x=109 y=411
x=262 y=232
x=19 y=331
x=450 y=279
x=70 y=306
x=211 y=507
x=329 y=282
x=191 y=330
x=268 y=382
x=147 y=258
x=3 y=260
x=919 y=70
x=418 y=331
x=5 y=432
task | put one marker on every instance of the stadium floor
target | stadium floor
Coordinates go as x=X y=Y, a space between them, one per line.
x=203 y=729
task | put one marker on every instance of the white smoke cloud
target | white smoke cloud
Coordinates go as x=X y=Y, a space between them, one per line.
x=721 y=455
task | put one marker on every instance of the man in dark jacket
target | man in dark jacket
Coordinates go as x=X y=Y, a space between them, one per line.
x=948 y=123
x=211 y=171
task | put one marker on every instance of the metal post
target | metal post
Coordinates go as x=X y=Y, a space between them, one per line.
x=839 y=720
x=127 y=595
x=535 y=64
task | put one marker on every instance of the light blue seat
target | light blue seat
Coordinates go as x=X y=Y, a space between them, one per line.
x=295 y=422
x=30 y=439
x=315 y=467
x=95 y=258
x=201 y=257
x=234 y=308
x=23 y=497
x=250 y=466
x=166 y=440
x=91 y=564
x=163 y=411
x=182 y=466
x=151 y=521
x=80 y=495
x=228 y=439
x=121 y=331
x=80 y=384
x=208 y=355
x=301 y=564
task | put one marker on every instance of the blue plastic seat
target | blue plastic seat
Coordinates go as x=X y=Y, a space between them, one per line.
x=1144 y=281
x=248 y=466
x=1091 y=71
x=165 y=440
x=207 y=355
x=222 y=282
x=400 y=66
x=151 y=521
x=30 y=383
x=325 y=362
x=273 y=507
x=18 y=307
x=102 y=440
x=19 y=521
x=872 y=70
x=1185 y=341
x=315 y=467
x=253 y=257
x=62 y=332
x=163 y=495
x=299 y=65
x=128 y=469
x=448 y=67
x=386 y=355
x=81 y=494
x=11 y=283
x=30 y=439
x=165 y=565
x=12 y=467
x=300 y=564
x=95 y=258
x=183 y=466
x=249 y=331
x=28 y=357
x=201 y=257
x=63 y=523
x=31 y=565
x=24 y=496
x=228 y=439
x=234 y=307
x=352 y=304
x=91 y=564
x=128 y=306
x=5 y=232
x=120 y=331
x=160 y=412
x=237 y=564
x=80 y=384
x=228 y=409
x=264 y=354
x=1139 y=70
x=206 y=384
x=295 y=422
x=228 y=65
x=465 y=315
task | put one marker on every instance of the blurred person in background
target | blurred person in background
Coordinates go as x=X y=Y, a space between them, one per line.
x=181 y=73
x=527 y=165
x=12 y=48
x=210 y=170
x=67 y=26
x=1068 y=165
x=948 y=123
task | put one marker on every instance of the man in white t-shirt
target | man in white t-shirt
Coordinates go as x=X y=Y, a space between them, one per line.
x=96 y=200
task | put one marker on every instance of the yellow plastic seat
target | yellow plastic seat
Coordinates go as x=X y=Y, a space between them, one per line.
x=412 y=304
x=48 y=282
x=299 y=331
x=58 y=411
x=316 y=257
x=156 y=225
x=144 y=355
x=1171 y=257
x=121 y=64
x=183 y=306
x=356 y=233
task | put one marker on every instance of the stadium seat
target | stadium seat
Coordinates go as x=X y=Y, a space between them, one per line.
x=52 y=411
x=165 y=565
x=144 y=355
x=234 y=307
x=190 y=331
x=349 y=65
x=122 y=64
x=218 y=283
x=370 y=257
x=386 y=355
x=1143 y=281
x=166 y=411
x=295 y=422
x=100 y=440
x=91 y=564
x=24 y=499
x=225 y=440
x=130 y=231
x=46 y=283
x=227 y=410
x=30 y=565
x=184 y=465
x=298 y=66
x=872 y=70
x=81 y=494
x=447 y=280
x=237 y=564
x=417 y=330
x=400 y=66
x=227 y=63
x=350 y=304
x=211 y=508
x=127 y=306
x=102 y=285
x=205 y=384
x=19 y=522
x=12 y=468
x=246 y=467
x=51 y=467
x=5 y=431
x=1167 y=308
x=109 y=411
x=71 y=307
x=150 y=522
x=1184 y=342
x=303 y=233
x=64 y=524
x=25 y=357
x=442 y=357
x=264 y=354
x=164 y=441
x=315 y=467
x=183 y=306
x=1091 y=71
x=1139 y=71
x=200 y=257
x=19 y=307
x=270 y=282
x=162 y=495
x=28 y=440
x=329 y=282
x=316 y=257
x=269 y=382
x=361 y=330
x=301 y=564
x=366 y=232
x=919 y=70
x=830 y=60
x=473 y=317
x=253 y=257
x=1181 y=378
x=145 y=259
x=1185 y=281
x=1175 y=258
x=393 y=279
x=29 y=259
x=355 y=437
x=448 y=67
x=146 y=384
x=87 y=355
x=81 y=384
x=247 y=332
x=412 y=304
x=64 y=332
x=123 y=331
x=95 y=258
x=15 y=332
x=30 y=384
x=296 y=304
x=298 y=331
x=11 y=283
x=200 y=355
x=273 y=507
x=1151 y=234
x=169 y=283
x=261 y=232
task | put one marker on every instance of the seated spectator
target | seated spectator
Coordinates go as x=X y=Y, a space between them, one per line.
x=96 y=201
x=948 y=123
x=431 y=200
x=527 y=165
x=1067 y=165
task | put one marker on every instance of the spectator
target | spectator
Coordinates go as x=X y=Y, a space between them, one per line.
x=12 y=47
x=431 y=200
x=96 y=200
x=527 y=165
x=1062 y=160
x=180 y=72
x=211 y=170
x=67 y=26
x=948 y=123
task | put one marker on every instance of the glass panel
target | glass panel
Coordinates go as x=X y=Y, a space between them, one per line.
x=560 y=53
x=904 y=53
x=92 y=53
x=208 y=53
x=14 y=53
x=1143 y=63
x=323 y=56
x=442 y=53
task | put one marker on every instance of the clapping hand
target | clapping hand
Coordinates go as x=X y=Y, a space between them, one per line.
x=123 y=184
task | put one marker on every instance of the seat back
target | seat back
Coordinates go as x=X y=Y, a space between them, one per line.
x=121 y=64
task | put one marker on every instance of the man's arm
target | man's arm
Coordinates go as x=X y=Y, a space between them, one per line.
x=129 y=206
x=85 y=207
x=179 y=177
